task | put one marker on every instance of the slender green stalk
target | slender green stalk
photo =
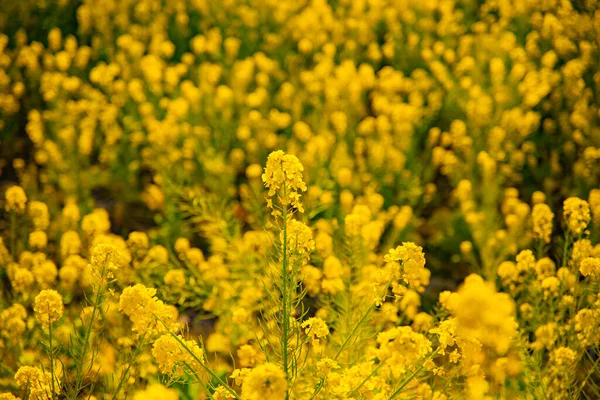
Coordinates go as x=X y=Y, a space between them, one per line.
x=208 y=393
x=51 y=354
x=126 y=372
x=86 y=341
x=351 y=334
x=356 y=389
x=540 y=248
x=565 y=248
x=345 y=343
x=411 y=376
x=198 y=360
x=13 y=234
x=284 y=290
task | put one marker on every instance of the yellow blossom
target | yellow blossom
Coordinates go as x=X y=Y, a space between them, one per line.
x=265 y=381
x=577 y=214
x=15 y=199
x=48 y=307
x=283 y=176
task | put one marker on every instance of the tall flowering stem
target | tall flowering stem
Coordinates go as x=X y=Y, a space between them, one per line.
x=283 y=178
x=284 y=290
x=48 y=307
x=104 y=262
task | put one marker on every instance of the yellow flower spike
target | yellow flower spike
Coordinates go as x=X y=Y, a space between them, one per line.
x=484 y=314
x=173 y=358
x=542 y=218
x=39 y=383
x=408 y=261
x=156 y=391
x=315 y=328
x=283 y=176
x=15 y=199
x=48 y=307
x=577 y=214
x=265 y=381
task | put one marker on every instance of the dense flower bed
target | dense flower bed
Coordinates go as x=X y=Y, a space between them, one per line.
x=311 y=199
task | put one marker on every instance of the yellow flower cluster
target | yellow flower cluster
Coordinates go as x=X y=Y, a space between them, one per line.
x=40 y=385
x=15 y=199
x=408 y=263
x=148 y=314
x=300 y=241
x=483 y=314
x=156 y=391
x=265 y=381
x=542 y=217
x=283 y=177
x=577 y=214
x=172 y=358
x=315 y=328
x=48 y=307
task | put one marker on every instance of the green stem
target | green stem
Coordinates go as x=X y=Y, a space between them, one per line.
x=284 y=290
x=86 y=342
x=411 y=376
x=356 y=389
x=126 y=372
x=51 y=354
x=347 y=340
x=565 y=247
x=359 y=323
x=13 y=234
x=198 y=360
x=540 y=248
x=208 y=393
x=345 y=343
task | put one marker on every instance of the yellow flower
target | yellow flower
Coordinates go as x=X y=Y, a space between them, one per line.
x=156 y=391
x=182 y=245
x=12 y=321
x=138 y=240
x=408 y=263
x=70 y=244
x=248 y=356
x=222 y=393
x=590 y=266
x=542 y=218
x=38 y=212
x=106 y=259
x=577 y=214
x=71 y=213
x=175 y=277
x=562 y=358
x=38 y=239
x=326 y=365
x=173 y=357
x=594 y=201
x=48 y=307
x=267 y=381
x=15 y=199
x=38 y=382
x=400 y=347
x=283 y=176
x=315 y=328
x=96 y=223
x=300 y=241
x=484 y=314
x=8 y=396
x=144 y=309
x=21 y=280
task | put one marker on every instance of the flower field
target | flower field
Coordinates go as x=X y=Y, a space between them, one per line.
x=299 y=199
